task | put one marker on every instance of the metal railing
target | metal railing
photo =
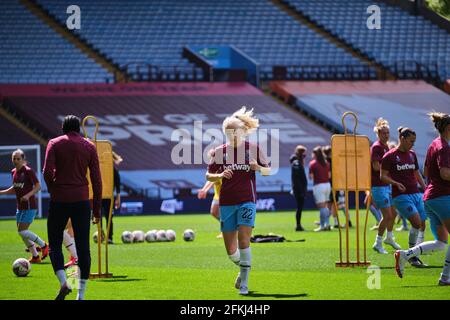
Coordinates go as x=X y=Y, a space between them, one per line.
x=317 y=72
x=410 y=69
x=405 y=69
x=141 y=71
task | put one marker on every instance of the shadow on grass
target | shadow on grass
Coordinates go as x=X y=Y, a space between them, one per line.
x=119 y=279
x=427 y=286
x=427 y=267
x=254 y=294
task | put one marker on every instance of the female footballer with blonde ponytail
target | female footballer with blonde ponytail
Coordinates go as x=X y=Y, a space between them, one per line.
x=235 y=164
x=381 y=191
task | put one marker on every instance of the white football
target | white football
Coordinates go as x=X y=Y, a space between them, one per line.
x=127 y=237
x=138 y=236
x=188 y=235
x=95 y=236
x=161 y=235
x=171 y=235
x=21 y=267
x=150 y=236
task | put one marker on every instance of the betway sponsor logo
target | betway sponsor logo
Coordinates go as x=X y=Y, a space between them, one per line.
x=406 y=166
x=18 y=185
x=235 y=166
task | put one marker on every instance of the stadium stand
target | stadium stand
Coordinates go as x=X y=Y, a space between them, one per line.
x=31 y=52
x=147 y=40
x=140 y=118
x=158 y=31
x=402 y=103
x=409 y=46
x=8 y=130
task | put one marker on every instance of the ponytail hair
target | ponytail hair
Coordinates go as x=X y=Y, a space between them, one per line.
x=392 y=144
x=380 y=124
x=405 y=132
x=320 y=157
x=440 y=120
x=246 y=118
x=327 y=151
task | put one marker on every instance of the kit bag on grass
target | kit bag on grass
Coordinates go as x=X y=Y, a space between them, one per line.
x=260 y=238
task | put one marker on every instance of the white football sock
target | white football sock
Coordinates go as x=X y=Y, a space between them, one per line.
x=69 y=243
x=420 y=237
x=28 y=243
x=32 y=248
x=235 y=257
x=81 y=289
x=322 y=216
x=25 y=239
x=389 y=235
x=327 y=220
x=412 y=239
x=27 y=234
x=245 y=264
x=425 y=247
x=379 y=240
x=61 y=275
x=446 y=271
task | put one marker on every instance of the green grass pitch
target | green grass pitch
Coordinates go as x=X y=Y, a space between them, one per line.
x=201 y=270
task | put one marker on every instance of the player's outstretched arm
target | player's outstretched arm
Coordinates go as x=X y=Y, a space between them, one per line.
x=214 y=177
x=10 y=190
x=203 y=191
x=255 y=166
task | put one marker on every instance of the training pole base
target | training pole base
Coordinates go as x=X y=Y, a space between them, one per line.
x=100 y=275
x=347 y=264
